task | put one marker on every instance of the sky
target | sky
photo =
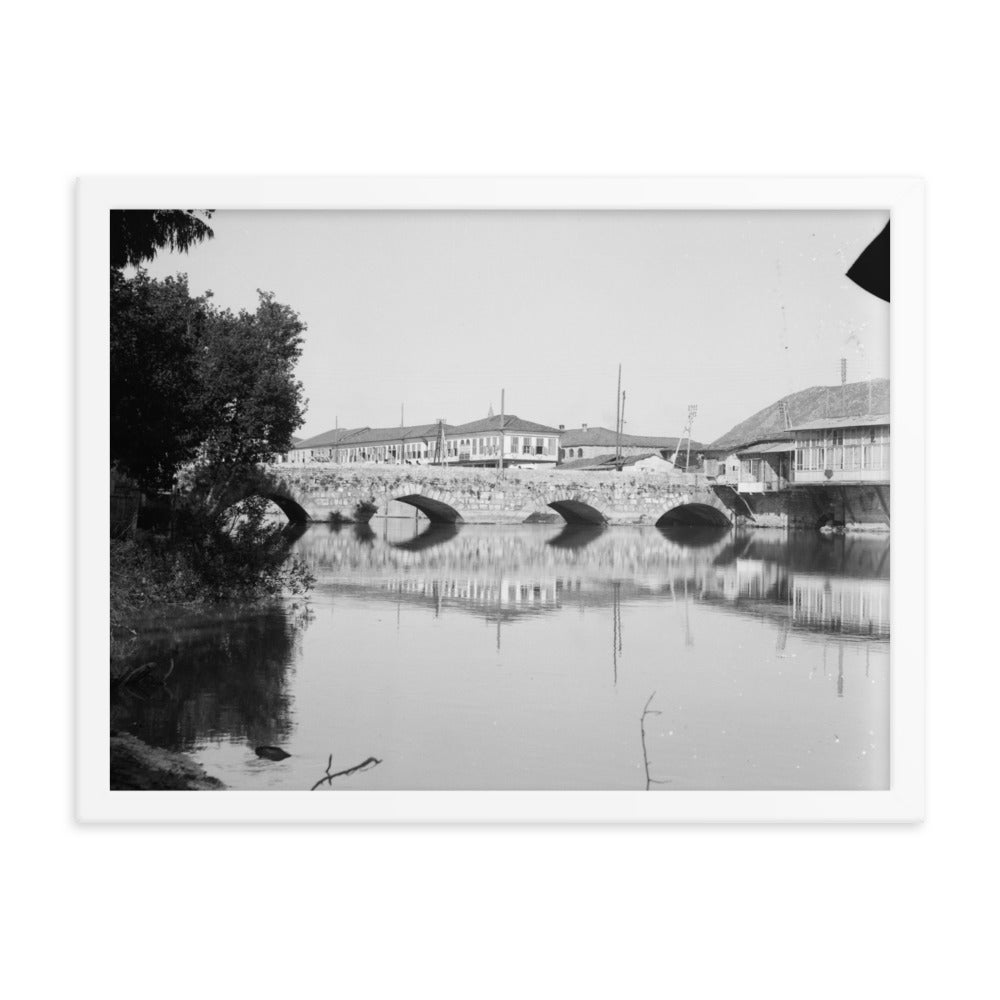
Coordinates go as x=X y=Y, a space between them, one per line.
x=438 y=311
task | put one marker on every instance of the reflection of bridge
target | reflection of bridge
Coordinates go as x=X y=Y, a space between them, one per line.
x=803 y=582
x=451 y=496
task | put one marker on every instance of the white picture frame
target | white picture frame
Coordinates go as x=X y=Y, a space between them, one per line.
x=903 y=801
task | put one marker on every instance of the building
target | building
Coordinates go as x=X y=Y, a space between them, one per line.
x=320 y=448
x=523 y=442
x=759 y=468
x=842 y=450
x=834 y=450
x=825 y=434
x=644 y=462
x=415 y=444
x=478 y=443
x=597 y=442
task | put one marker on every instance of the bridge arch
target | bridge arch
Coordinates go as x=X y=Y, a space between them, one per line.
x=436 y=510
x=291 y=508
x=575 y=511
x=288 y=506
x=696 y=512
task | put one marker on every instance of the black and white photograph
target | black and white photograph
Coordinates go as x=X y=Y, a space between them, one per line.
x=565 y=500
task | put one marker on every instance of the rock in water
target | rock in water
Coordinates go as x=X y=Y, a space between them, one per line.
x=271 y=753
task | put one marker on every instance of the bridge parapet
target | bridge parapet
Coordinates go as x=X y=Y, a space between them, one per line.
x=358 y=492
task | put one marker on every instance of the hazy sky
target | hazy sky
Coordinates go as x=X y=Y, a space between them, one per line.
x=439 y=310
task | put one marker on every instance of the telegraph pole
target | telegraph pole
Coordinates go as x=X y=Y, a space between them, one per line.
x=621 y=430
x=500 y=455
x=692 y=413
x=440 y=441
x=618 y=422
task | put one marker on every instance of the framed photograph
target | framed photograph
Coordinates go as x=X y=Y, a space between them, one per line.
x=500 y=500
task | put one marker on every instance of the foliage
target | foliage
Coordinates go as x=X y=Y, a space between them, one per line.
x=251 y=401
x=155 y=401
x=197 y=567
x=210 y=393
x=137 y=235
x=189 y=380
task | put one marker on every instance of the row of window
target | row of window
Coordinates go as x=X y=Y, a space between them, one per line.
x=844 y=458
x=462 y=448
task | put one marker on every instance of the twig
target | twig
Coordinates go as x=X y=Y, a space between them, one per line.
x=642 y=735
x=365 y=765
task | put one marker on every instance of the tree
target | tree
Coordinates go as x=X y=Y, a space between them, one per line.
x=191 y=382
x=248 y=392
x=248 y=397
x=155 y=400
x=136 y=235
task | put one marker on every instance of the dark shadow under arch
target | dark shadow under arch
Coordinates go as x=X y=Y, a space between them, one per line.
x=693 y=536
x=438 y=511
x=576 y=536
x=578 y=512
x=693 y=514
x=432 y=535
x=293 y=511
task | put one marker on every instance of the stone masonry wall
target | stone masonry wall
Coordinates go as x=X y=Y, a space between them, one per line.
x=357 y=493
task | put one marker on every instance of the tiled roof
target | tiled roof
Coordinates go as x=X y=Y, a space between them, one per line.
x=390 y=435
x=511 y=423
x=869 y=420
x=327 y=438
x=345 y=436
x=767 y=449
x=605 y=461
x=603 y=437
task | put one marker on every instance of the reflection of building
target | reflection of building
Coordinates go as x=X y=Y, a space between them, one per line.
x=855 y=607
x=804 y=582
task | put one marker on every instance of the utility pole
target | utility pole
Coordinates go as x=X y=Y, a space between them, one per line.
x=439 y=447
x=618 y=420
x=786 y=420
x=692 y=413
x=621 y=430
x=500 y=451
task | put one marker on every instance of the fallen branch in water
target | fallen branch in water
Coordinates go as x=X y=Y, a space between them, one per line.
x=365 y=765
x=642 y=734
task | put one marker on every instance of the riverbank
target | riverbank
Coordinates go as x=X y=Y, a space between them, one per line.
x=136 y=766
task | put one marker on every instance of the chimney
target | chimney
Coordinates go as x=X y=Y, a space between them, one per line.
x=583 y=426
x=562 y=427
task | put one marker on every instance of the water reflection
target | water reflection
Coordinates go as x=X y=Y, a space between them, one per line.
x=213 y=677
x=432 y=536
x=576 y=536
x=809 y=581
x=694 y=536
x=468 y=656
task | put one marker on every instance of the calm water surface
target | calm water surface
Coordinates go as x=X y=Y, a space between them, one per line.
x=543 y=657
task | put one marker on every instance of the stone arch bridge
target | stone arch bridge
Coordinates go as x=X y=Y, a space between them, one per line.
x=356 y=493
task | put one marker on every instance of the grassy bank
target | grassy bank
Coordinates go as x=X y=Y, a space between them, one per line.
x=154 y=576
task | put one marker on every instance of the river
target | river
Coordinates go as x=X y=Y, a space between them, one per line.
x=541 y=657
